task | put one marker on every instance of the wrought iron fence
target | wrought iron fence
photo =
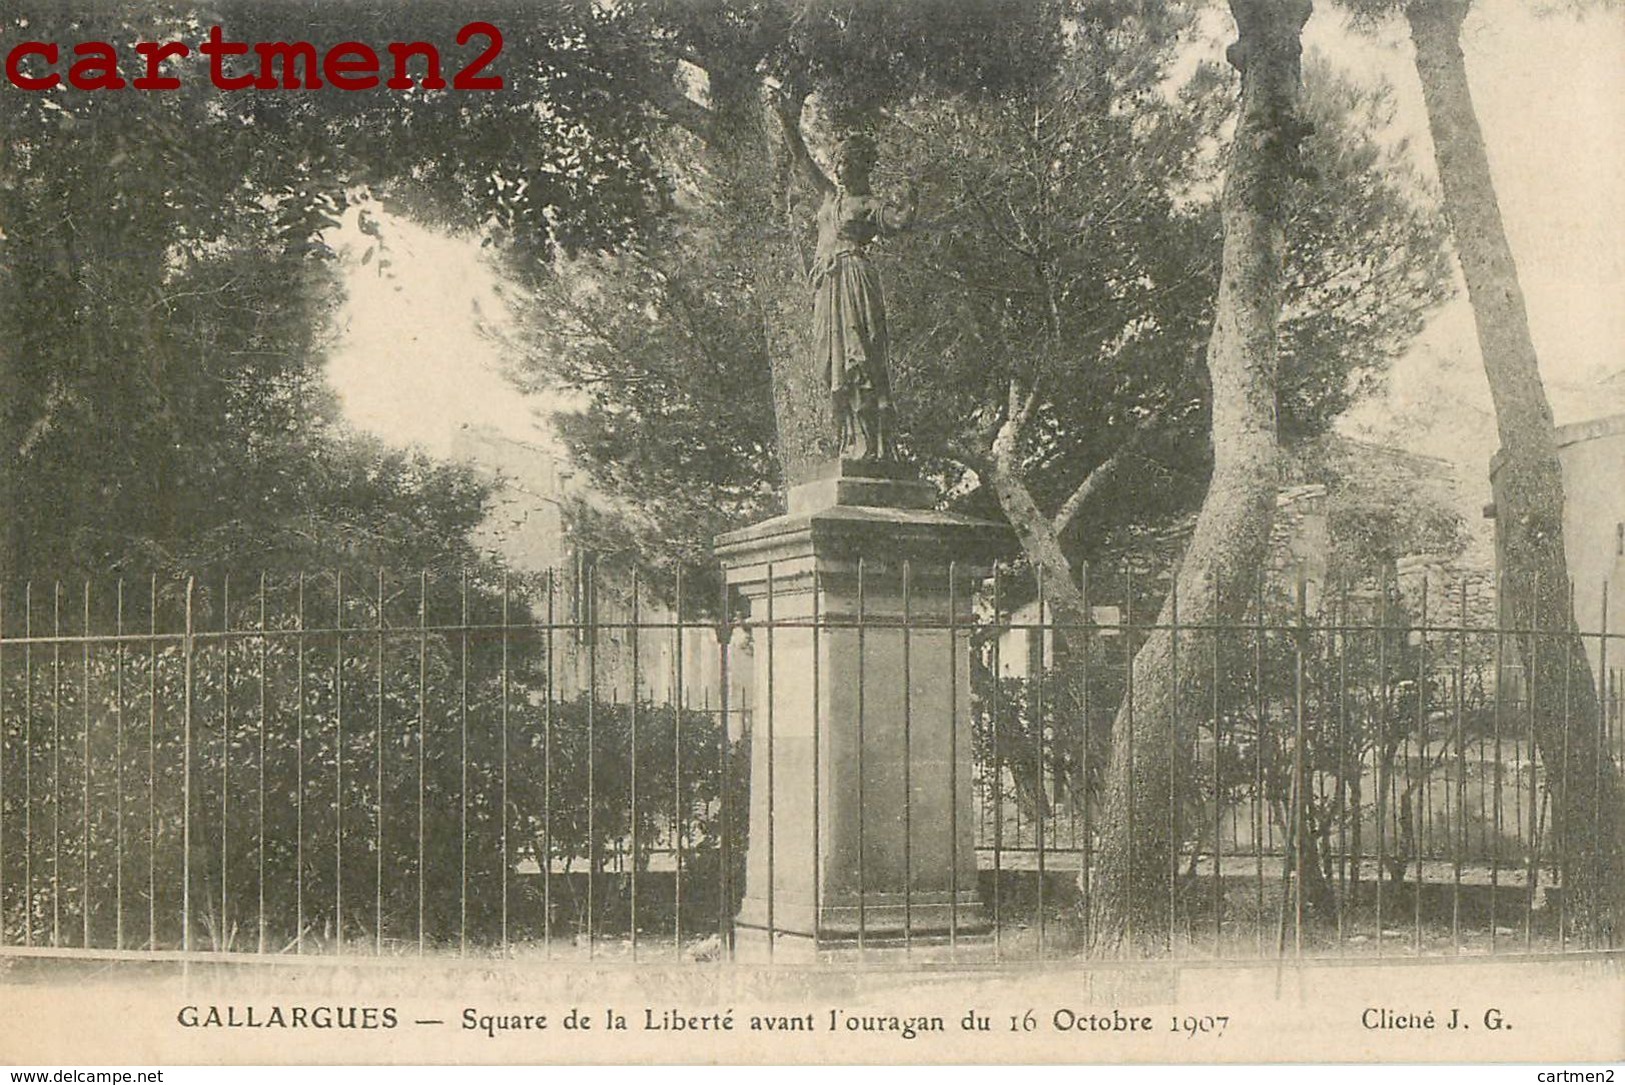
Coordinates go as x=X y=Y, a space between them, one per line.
x=1405 y=743
x=552 y=768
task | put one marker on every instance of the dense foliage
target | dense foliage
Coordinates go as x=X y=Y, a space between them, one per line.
x=166 y=290
x=1067 y=247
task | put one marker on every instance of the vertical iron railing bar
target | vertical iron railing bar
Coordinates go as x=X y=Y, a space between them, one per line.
x=1483 y=769
x=503 y=753
x=5 y=735
x=1602 y=720
x=423 y=746
x=56 y=763
x=1381 y=746
x=1312 y=791
x=1518 y=713
x=259 y=820
x=1566 y=628
x=725 y=775
x=1424 y=809
x=1442 y=759
x=225 y=755
x=1128 y=730
x=722 y=850
x=817 y=758
x=1500 y=697
x=1088 y=634
x=1173 y=759
x=1531 y=679
x=1460 y=836
x=908 y=768
x=863 y=916
x=187 y=664
x=636 y=837
x=953 y=760
x=1017 y=823
x=679 y=804
x=1259 y=813
x=1044 y=809
x=299 y=767
x=28 y=773
x=546 y=857
x=1077 y=631
x=1283 y=630
x=1315 y=774
x=338 y=761
x=588 y=620
x=378 y=784
x=998 y=769
x=1292 y=809
x=771 y=759
x=1341 y=642
x=1411 y=784
x=1300 y=798
x=118 y=765
x=152 y=768
x=462 y=769
x=1218 y=795
x=84 y=777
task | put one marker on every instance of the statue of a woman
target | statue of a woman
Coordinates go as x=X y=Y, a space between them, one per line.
x=849 y=310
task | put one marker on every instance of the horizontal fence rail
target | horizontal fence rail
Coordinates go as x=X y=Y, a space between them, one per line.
x=561 y=768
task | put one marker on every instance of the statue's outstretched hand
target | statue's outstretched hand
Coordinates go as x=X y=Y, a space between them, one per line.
x=901 y=216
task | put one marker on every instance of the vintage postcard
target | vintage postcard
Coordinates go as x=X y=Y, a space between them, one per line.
x=796 y=531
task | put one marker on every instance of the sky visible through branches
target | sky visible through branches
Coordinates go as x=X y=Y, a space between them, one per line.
x=420 y=352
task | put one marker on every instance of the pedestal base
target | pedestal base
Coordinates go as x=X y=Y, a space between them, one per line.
x=887 y=914
x=860 y=794
x=755 y=944
x=855 y=483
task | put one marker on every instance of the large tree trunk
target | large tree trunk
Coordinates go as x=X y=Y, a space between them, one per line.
x=1583 y=779
x=1131 y=895
x=759 y=178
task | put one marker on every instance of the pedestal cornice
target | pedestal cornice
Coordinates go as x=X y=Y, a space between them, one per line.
x=838 y=534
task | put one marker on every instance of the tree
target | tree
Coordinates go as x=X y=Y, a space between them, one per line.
x=1536 y=592
x=165 y=300
x=165 y=289
x=670 y=343
x=1227 y=547
x=1077 y=353
x=166 y=408
x=1037 y=359
x=852 y=61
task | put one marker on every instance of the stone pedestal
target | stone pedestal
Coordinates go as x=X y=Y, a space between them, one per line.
x=860 y=788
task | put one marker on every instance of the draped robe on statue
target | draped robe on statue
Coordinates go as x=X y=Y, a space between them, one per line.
x=849 y=324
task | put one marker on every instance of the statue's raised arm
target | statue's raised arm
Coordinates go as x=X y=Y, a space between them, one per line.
x=788 y=109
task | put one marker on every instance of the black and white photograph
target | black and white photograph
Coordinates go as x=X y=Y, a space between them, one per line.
x=812 y=531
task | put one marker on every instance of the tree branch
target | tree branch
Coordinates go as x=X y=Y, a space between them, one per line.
x=1012 y=407
x=1024 y=413
x=993 y=224
x=1087 y=488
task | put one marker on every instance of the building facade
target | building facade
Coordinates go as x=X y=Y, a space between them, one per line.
x=1592 y=455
